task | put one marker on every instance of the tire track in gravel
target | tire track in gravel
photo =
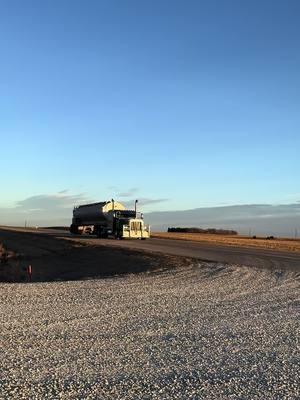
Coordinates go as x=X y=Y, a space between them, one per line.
x=200 y=331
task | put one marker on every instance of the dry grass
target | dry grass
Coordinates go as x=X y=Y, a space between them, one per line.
x=281 y=244
x=10 y=270
x=3 y=253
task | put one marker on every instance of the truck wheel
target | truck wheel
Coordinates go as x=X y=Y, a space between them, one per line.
x=74 y=229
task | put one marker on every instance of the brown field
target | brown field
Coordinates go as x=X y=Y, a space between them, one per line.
x=282 y=244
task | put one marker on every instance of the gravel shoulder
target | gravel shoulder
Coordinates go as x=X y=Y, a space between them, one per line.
x=202 y=331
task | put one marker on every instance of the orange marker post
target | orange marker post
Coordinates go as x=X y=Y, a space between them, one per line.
x=29 y=271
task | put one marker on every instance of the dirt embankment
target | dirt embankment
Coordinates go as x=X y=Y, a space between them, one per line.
x=280 y=244
x=58 y=259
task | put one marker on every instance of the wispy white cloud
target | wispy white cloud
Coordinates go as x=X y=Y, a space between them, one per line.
x=143 y=202
x=128 y=193
x=56 y=209
x=58 y=200
x=43 y=208
x=260 y=218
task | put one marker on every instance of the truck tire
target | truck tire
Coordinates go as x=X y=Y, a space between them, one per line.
x=74 y=229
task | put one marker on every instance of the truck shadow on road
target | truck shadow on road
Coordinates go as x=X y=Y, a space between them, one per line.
x=57 y=259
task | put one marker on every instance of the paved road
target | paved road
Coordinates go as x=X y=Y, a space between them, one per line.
x=204 y=251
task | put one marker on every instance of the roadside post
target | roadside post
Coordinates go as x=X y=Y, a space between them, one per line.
x=29 y=272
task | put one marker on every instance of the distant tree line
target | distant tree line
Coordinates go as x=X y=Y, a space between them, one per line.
x=200 y=230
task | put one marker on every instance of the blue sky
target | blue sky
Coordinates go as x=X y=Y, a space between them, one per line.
x=184 y=104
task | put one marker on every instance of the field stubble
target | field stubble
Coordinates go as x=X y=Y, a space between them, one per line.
x=280 y=244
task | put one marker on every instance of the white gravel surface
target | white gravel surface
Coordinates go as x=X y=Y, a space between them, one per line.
x=206 y=331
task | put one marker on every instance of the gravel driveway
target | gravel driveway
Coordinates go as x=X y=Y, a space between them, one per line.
x=204 y=331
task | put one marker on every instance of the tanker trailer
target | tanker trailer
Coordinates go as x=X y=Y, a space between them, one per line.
x=109 y=218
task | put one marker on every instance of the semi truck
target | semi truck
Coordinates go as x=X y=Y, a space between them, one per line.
x=109 y=219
